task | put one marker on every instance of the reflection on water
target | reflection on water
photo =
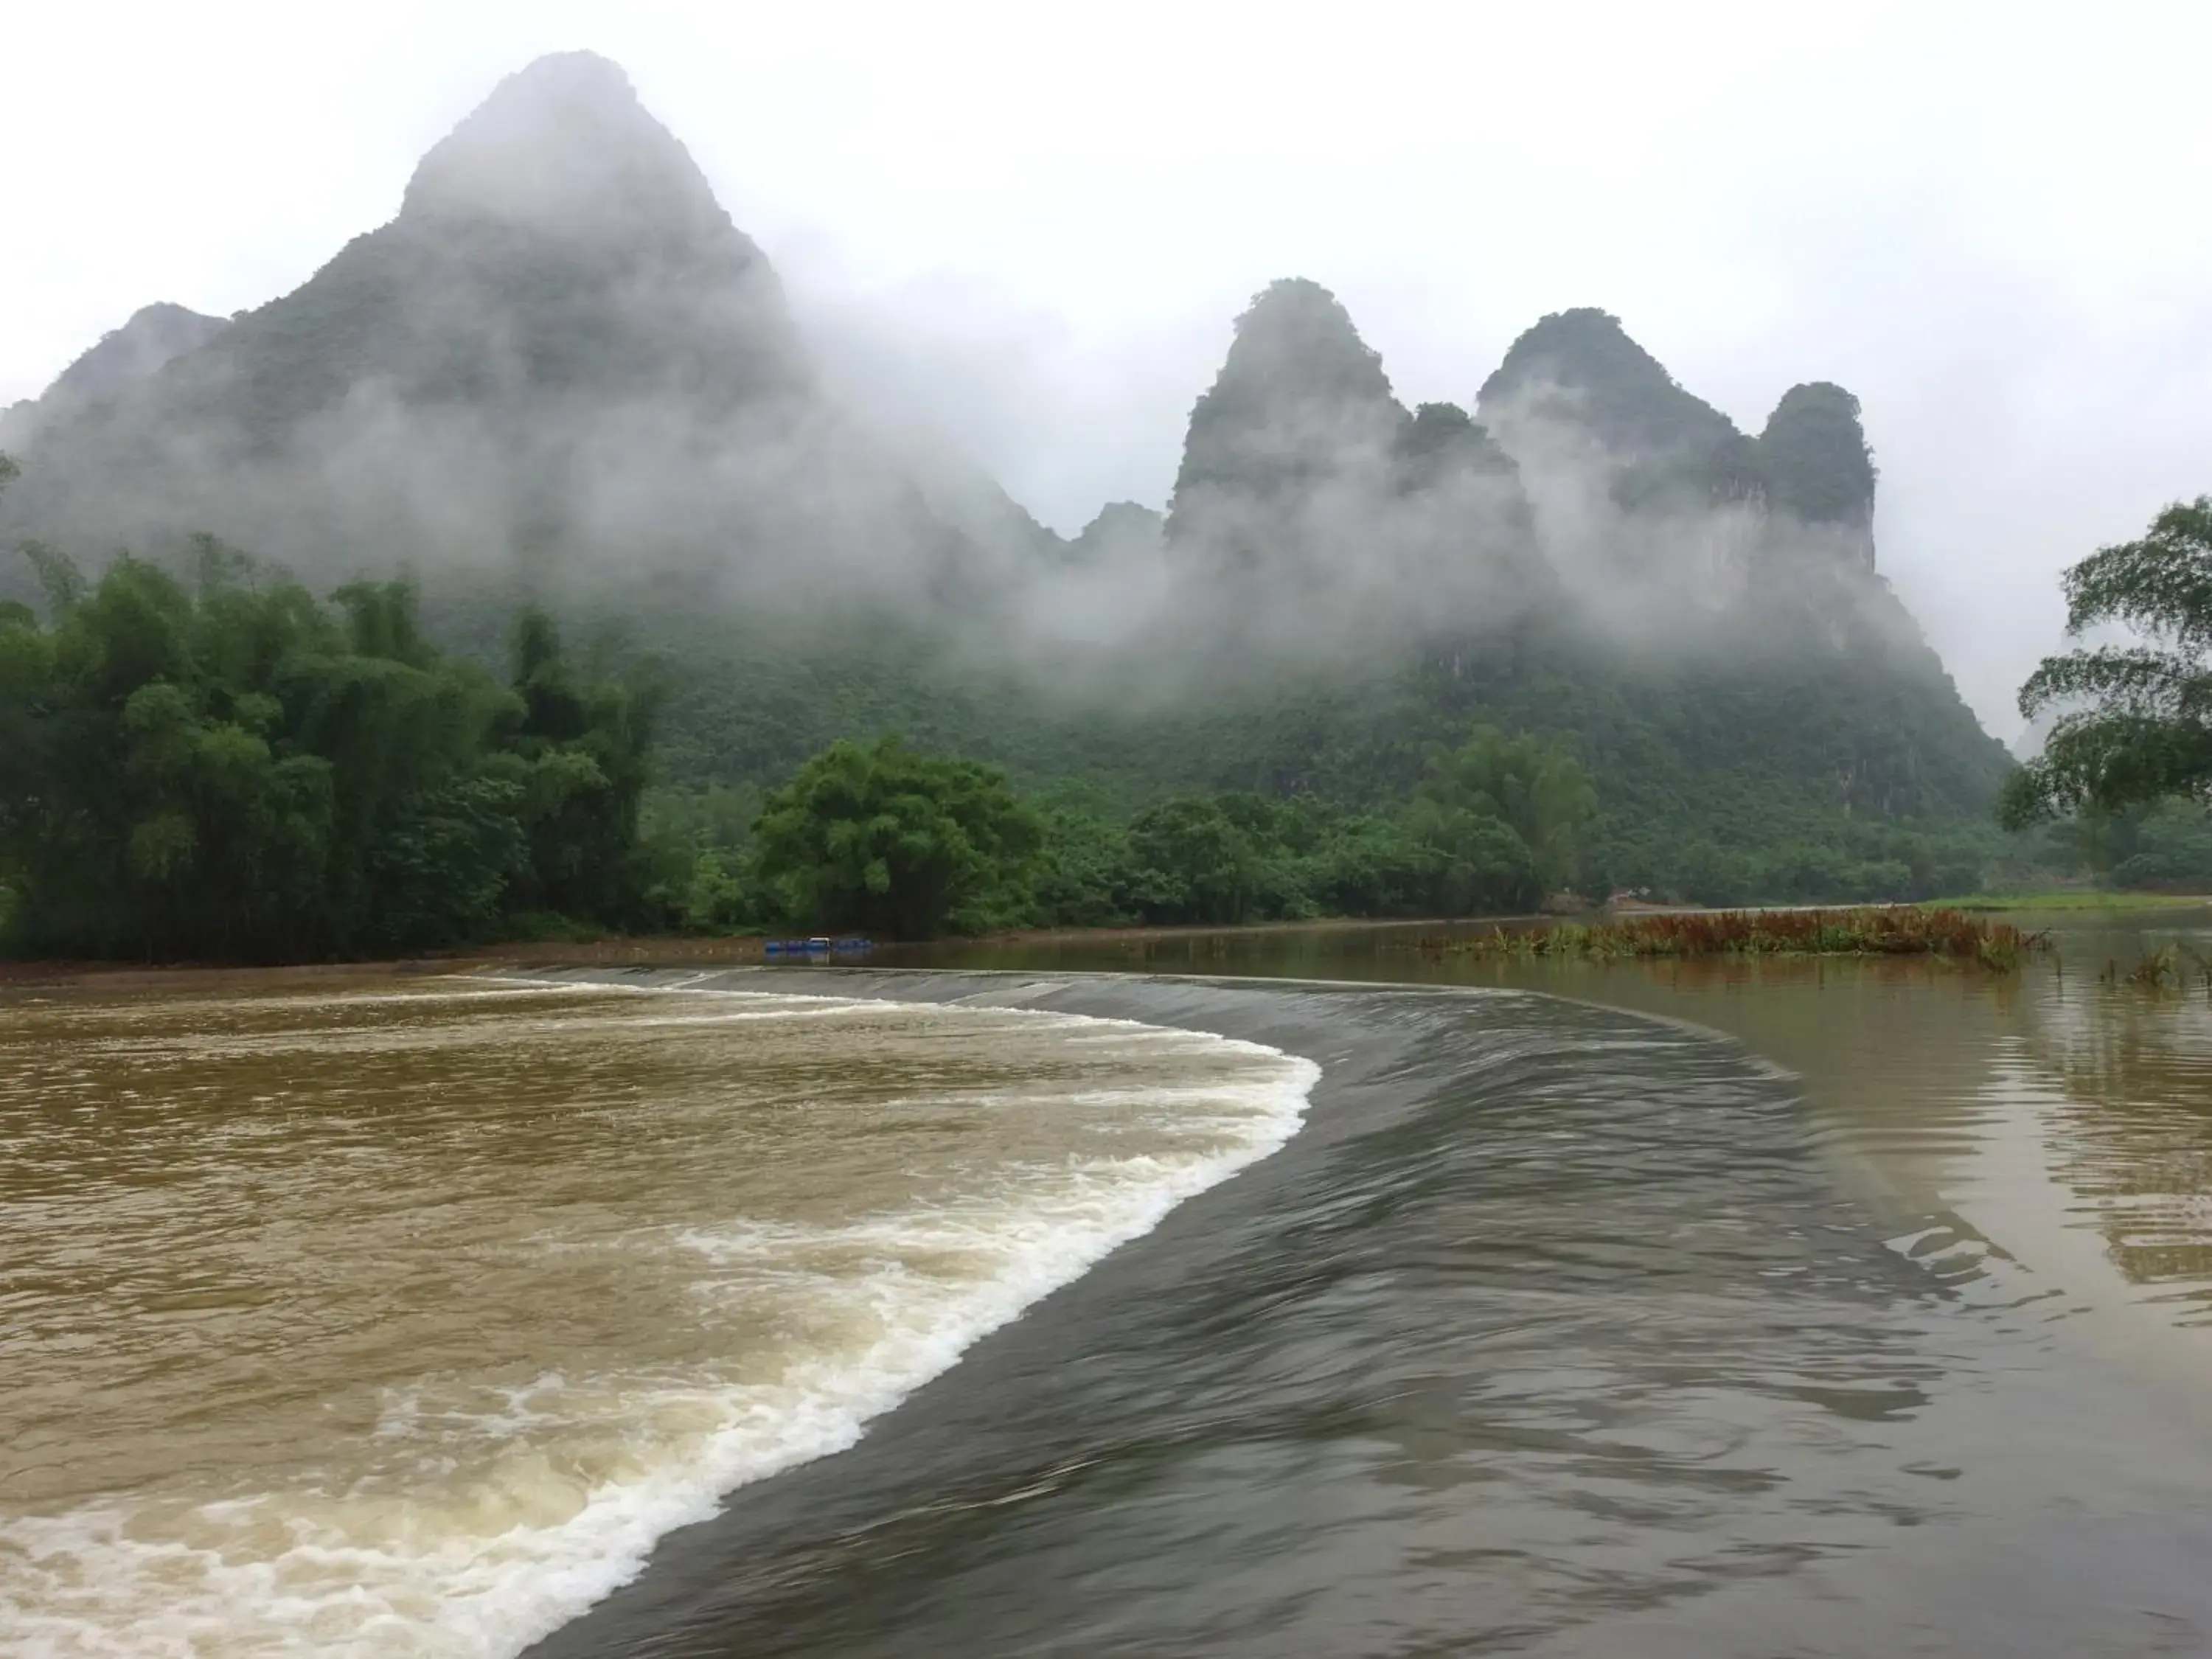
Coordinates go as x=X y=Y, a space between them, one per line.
x=404 y=1321
x=2128 y=1077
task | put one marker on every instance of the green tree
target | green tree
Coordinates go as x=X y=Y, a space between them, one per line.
x=1375 y=866
x=1084 y=878
x=1532 y=788
x=1476 y=862
x=585 y=744
x=910 y=846
x=2134 y=722
x=1192 y=861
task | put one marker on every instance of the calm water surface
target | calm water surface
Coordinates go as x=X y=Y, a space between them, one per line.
x=1819 y=1309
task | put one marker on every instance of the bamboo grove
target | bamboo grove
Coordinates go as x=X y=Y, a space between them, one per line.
x=224 y=766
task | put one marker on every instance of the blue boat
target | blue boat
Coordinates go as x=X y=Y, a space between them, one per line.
x=820 y=946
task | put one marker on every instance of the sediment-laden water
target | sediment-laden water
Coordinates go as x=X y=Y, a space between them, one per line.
x=404 y=1322
x=1824 y=1309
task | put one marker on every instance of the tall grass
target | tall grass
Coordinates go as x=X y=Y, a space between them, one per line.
x=1902 y=931
x=2172 y=967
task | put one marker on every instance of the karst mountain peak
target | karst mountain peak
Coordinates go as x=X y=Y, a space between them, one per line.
x=566 y=145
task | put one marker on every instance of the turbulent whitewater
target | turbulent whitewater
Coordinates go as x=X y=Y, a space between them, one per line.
x=404 y=1320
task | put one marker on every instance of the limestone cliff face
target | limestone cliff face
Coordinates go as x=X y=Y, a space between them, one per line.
x=560 y=239
x=1817 y=466
x=1645 y=490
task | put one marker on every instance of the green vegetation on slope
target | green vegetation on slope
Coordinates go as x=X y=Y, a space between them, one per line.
x=882 y=839
x=1761 y=779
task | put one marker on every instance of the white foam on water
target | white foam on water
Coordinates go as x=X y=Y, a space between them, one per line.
x=577 y=1478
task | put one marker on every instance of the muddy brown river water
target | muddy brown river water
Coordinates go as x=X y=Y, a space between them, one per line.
x=1809 y=1307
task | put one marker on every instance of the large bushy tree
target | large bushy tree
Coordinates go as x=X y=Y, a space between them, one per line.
x=879 y=838
x=1504 y=816
x=2133 y=722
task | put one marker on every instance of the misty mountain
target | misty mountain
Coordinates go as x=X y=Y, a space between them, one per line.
x=1815 y=464
x=1122 y=533
x=560 y=352
x=1655 y=442
x=1580 y=370
x=1343 y=584
x=1322 y=515
x=1598 y=524
x=562 y=367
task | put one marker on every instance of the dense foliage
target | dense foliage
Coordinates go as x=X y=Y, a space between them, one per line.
x=1813 y=457
x=886 y=840
x=910 y=846
x=1494 y=825
x=1736 y=781
x=227 y=769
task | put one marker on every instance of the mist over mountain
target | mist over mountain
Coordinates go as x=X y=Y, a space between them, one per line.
x=1579 y=370
x=1320 y=519
x=561 y=354
x=562 y=369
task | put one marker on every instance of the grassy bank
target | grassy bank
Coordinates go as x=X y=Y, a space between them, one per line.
x=2063 y=899
x=1898 y=931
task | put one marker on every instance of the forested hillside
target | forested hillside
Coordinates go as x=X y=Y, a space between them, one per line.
x=1372 y=582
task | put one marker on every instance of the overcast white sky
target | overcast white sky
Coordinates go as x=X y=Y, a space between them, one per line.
x=1031 y=223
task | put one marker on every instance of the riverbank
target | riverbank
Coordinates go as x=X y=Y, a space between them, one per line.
x=1140 y=945
x=1897 y=930
x=689 y=950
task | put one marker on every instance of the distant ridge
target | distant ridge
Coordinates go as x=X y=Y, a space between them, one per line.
x=155 y=335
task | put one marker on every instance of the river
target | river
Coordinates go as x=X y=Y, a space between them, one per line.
x=1820 y=1308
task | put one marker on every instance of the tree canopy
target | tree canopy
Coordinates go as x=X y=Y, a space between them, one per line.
x=908 y=845
x=1504 y=813
x=884 y=839
x=2133 y=722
